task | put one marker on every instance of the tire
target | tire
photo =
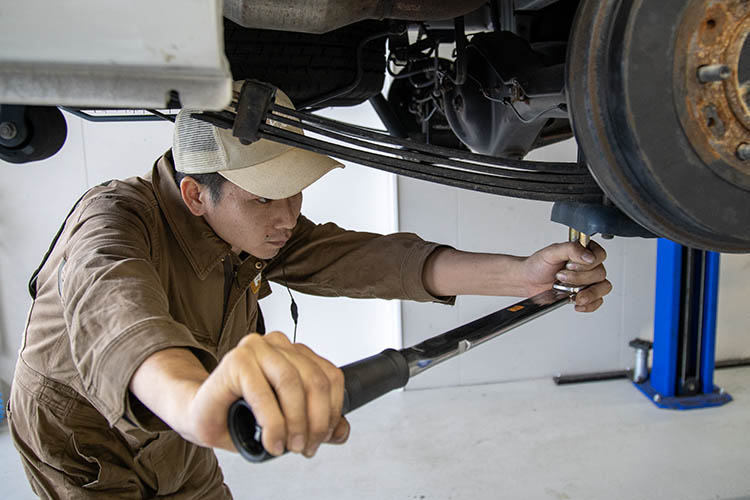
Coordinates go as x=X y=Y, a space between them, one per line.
x=629 y=66
x=309 y=66
x=46 y=134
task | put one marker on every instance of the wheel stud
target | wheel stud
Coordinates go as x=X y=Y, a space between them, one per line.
x=8 y=131
x=714 y=73
x=743 y=152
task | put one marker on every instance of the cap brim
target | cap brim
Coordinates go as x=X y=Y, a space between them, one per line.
x=283 y=176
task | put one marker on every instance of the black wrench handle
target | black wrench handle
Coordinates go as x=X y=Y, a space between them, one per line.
x=364 y=381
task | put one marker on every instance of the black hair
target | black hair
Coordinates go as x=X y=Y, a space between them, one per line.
x=213 y=181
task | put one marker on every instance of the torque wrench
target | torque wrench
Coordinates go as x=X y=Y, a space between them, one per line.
x=370 y=378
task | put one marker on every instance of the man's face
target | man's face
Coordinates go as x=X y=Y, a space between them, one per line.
x=256 y=225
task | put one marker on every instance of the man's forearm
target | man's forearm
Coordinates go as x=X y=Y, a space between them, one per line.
x=450 y=272
x=166 y=382
x=295 y=394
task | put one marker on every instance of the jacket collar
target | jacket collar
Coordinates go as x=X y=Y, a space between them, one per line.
x=202 y=246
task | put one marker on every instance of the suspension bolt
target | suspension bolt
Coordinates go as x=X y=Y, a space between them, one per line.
x=458 y=103
x=714 y=73
x=743 y=152
x=8 y=131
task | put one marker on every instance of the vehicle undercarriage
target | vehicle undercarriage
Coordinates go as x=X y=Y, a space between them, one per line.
x=655 y=93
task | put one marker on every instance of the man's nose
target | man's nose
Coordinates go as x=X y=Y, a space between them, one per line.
x=286 y=217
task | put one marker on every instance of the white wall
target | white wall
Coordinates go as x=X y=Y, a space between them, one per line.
x=35 y=197
x=563 y=341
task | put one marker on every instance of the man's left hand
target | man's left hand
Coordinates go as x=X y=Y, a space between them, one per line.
x=572 y=264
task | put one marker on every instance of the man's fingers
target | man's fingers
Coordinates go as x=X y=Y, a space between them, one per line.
x=578 y=263
x=573 y=252
x=586 y=257
x=599 y=253
x=285 y=379
x=341 y=432
x=593 y=292
x=317 y=389
x=277 y=339
x=295 y=395
x=595 y=275
x=590 y=299
x=593 y=306
x=336 y=380
x=258 y=393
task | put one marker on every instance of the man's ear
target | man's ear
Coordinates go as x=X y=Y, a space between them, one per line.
x=194 y=195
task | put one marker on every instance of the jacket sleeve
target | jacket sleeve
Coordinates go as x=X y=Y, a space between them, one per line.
x=324 y=259
x=115 y=305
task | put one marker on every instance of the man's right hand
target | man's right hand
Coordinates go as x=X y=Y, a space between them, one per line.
x=296 y=395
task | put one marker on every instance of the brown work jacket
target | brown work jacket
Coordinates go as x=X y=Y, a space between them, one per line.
x=135 y=272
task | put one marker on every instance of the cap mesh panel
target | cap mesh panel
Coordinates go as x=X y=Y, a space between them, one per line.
x=196 y=150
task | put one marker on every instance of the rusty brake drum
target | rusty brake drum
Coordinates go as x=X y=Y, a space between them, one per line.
x=659 y=104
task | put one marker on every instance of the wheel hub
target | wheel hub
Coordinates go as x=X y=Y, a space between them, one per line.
x=711 y=86
x=664 y=125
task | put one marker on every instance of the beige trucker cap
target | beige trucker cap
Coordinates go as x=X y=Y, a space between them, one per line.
x=264 y=168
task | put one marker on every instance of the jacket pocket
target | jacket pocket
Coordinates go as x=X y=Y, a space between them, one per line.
x=172 y=461
x=96 y=472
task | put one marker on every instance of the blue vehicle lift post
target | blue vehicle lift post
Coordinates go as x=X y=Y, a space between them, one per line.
x=687 y=283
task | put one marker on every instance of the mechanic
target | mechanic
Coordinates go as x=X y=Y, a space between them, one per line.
x=146 y=326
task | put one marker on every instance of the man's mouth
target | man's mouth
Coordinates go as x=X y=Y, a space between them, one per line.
x=277 y=242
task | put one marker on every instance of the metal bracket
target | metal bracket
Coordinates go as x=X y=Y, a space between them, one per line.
x=591 y=218
x=249 y=112
x=252 y=109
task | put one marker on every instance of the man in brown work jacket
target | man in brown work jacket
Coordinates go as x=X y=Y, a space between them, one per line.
x=142 y=332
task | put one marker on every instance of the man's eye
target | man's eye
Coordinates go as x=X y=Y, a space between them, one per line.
x=263 y=201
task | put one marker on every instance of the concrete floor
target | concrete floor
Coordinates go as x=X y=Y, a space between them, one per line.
x=520 y=440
